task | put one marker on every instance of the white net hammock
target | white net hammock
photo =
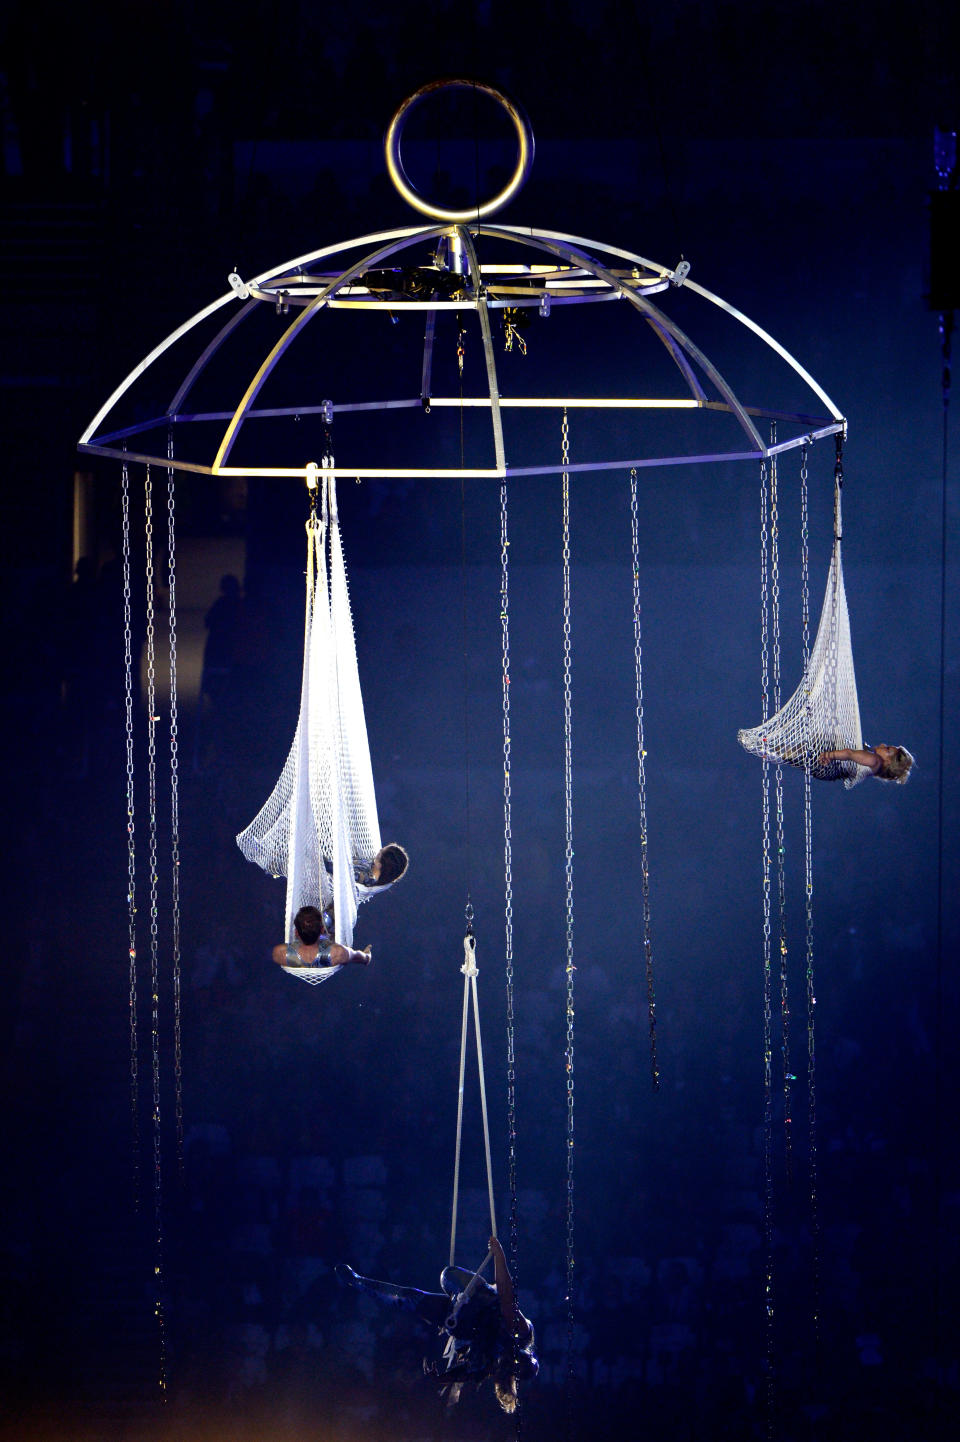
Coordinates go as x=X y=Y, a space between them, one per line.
x=319 y=824
x=823 y=714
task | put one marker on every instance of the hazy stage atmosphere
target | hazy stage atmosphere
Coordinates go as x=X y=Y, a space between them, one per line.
x=755 y=1251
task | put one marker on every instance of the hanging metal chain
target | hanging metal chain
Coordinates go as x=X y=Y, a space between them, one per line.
x=508 y=880
x=128 y=661
x=642 y=784
x=808 y=889
x=174 y=807
x=778 y=774
x=570 y=969
x=769 y=1295
x=152 y=719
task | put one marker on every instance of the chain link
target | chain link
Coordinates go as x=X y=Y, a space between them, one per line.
x=808 y=888
x=152 y=719
x=508 y=878
x=568 y=867
x=174 y=808
x=642 y=784
x=128 y=660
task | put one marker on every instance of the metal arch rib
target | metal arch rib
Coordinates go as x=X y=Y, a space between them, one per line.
x=410 y=232
x=650 y=312
x=527 y=233
x=492 y=383
x=205 y=355
x=294 y=329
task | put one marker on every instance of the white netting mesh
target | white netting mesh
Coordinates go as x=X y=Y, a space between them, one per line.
x=313 y=974
x=320 y=820
x=823 y=714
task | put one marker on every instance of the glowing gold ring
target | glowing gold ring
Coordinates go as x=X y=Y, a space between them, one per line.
x=525 y=151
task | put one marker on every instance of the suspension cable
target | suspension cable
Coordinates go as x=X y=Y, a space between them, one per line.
x=769 y=1294
x=152 y=719
x=568 y=868
x=174 y=807
x=642 y=784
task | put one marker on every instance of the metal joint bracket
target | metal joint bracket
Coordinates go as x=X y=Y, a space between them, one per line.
x=681 y=273
x=239 y=286
x=326 y=410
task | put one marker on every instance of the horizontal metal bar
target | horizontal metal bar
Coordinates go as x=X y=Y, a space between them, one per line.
x=466 y=473
x=513 y=302
x=558 y=467
x=684 y=403
x=453 y=402
x=527 y=233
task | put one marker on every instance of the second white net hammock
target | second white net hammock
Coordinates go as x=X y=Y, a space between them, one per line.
x=823 y=714
x=319 y=825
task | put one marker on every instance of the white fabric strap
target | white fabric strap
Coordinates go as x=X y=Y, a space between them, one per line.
x=320 y=820
x=470 y=973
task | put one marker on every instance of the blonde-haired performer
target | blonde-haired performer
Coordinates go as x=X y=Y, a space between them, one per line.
x=887 y=763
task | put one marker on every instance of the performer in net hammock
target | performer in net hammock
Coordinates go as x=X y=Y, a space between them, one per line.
x=487 y=1336
x=886 y=763
x=819 y=726
x=313 y=946
x=319 y=827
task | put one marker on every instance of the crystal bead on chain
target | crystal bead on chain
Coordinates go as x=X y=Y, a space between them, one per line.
x=778 y=774
x=808 y=869
x=154 y=935
x=769 y=1294
x=174 y=809
x=568 y=867
x=508 y=878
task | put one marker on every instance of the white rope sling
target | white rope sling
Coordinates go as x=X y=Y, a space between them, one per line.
x=823 y=714
x=321 y=817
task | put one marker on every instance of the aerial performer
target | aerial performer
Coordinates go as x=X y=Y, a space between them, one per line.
x=487 y=1336
x=886 y=763
x=319 y=826
x=819 y=726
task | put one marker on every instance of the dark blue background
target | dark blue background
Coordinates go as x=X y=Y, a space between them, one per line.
x=788 y=154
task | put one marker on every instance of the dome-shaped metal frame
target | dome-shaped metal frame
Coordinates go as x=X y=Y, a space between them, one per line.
x=471 y=266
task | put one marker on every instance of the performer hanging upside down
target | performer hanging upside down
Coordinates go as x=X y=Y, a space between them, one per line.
x=487 y=1334
x=886 y=763
x=384 y=871
x=313 y=946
